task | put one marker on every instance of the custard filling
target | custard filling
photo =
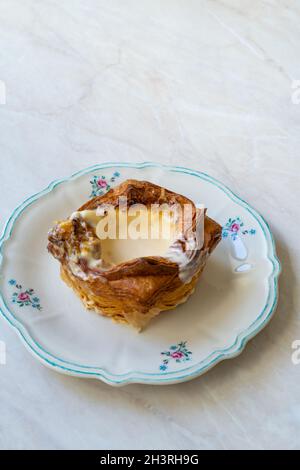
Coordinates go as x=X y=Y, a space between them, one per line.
x=128 y=234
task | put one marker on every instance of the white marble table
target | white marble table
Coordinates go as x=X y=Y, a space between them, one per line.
x=205 y=84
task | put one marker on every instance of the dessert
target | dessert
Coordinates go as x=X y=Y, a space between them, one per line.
x=135 y=251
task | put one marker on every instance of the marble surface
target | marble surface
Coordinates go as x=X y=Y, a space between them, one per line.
x=207 y=84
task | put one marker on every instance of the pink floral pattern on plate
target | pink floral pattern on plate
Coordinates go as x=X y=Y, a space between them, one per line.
x=233 y=230
x=234 y=227
x=24 y=298
x=102 y=184
x=177 y=353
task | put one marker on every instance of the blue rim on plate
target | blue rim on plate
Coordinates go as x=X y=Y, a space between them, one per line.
x=137 y=376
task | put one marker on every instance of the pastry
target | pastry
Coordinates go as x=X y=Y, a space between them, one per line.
x=132 y=279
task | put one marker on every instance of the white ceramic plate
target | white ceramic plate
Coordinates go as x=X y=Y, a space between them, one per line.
x=233 y=301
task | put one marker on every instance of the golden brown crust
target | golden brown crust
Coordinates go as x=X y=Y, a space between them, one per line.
x=127 y=310
x=136 y=290
x=136 y=191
